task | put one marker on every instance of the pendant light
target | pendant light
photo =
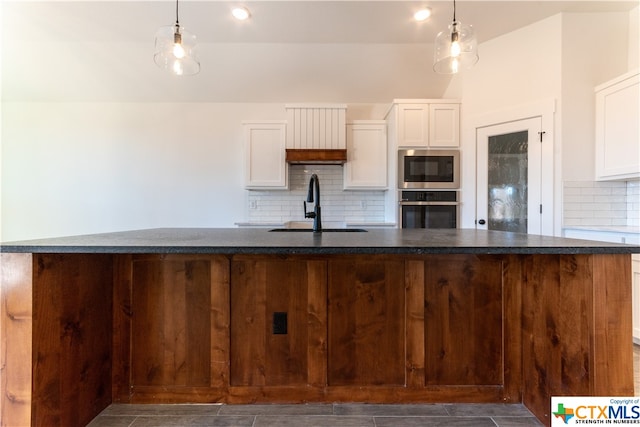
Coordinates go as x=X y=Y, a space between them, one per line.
x=176 y=49
x=455 y=48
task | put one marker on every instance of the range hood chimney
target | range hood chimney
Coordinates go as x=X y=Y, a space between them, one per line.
x=316 y=134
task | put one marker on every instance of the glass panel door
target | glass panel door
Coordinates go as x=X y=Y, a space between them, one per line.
x=508 y=180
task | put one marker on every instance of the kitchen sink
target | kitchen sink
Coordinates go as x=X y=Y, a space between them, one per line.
x=324 y=230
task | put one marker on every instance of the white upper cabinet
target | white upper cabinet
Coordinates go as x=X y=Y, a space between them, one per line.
x=444 y=129
x=366 y=166
x=424 y=123
x=264 y=150
x=617 y=137
x=413 y=125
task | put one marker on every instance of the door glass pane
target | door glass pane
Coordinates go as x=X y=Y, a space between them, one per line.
x=507 y=179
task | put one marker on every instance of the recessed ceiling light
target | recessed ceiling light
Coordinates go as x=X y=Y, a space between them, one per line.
x=422 y=14
x=240 y=13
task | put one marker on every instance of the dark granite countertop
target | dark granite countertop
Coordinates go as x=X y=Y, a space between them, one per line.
x=261 y=241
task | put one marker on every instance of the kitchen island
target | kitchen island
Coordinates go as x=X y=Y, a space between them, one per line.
x=248 y=315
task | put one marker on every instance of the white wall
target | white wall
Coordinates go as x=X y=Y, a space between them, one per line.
x=559 y=59
x=634 y=39
x=514 y=70
x=76 y=168
x=83 y=168
x=1 y=235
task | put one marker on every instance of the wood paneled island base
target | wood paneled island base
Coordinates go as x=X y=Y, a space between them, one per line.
x=83 y=330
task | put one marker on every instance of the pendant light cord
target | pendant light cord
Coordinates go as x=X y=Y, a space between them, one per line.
x=178 y=22
x=454 y=10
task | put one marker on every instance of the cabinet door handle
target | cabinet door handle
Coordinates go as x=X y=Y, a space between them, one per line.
x=482 y=222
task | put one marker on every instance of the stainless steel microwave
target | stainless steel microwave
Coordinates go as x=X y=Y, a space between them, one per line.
x=420 y=169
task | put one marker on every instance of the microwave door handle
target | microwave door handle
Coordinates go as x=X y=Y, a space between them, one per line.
x=414 y=203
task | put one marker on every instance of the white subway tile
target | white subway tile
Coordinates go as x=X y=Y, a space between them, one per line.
x=578 y=198
x=579 y=184
x=578 y=214
x=571 y=191
x=599 y=222
x=572 y=222
x=337 y=204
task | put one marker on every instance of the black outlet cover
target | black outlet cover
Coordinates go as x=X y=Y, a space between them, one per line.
x=279 y=323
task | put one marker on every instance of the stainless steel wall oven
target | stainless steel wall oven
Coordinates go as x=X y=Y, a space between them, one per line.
x=429 y=209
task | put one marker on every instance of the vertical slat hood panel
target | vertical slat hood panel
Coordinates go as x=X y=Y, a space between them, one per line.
x=314 y=128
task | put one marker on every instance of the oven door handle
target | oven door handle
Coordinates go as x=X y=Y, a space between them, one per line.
x=414 y=203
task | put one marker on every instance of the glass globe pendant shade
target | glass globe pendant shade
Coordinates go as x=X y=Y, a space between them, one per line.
x=175 y=51
x=455 y=49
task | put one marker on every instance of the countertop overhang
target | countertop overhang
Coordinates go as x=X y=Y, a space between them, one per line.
x=261 y=241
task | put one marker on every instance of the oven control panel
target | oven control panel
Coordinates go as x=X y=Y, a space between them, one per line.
x=429 y=196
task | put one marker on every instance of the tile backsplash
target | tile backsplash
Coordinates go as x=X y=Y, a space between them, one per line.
x=338 y=205
x=633 y=203
x=601 y=204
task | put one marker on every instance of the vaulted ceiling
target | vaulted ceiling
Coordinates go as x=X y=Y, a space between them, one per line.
x=288 y=51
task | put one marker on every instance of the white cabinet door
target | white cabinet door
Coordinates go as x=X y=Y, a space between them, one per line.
x=428 y=125
x=617 y=136
x=444 y=125
x=366 y=166
x=265 y=164
x=413 y=125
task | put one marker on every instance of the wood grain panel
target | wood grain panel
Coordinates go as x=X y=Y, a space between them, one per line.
x=512 y=320
x=286 y=354
x=220 y=321
x=576 y=328
x=72 y=338
x=249 y=322
x=317 y=323
x=414 y=277
x=366 y=321
x=611 y=344
x=260 y=287
x=171 y=321
x=463 y=320
x=122 y=312
x=557 y=304
x=16 y=322
x=483 y=328
x=305 y=393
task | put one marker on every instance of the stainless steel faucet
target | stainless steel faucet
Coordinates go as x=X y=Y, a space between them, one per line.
x=314 y=187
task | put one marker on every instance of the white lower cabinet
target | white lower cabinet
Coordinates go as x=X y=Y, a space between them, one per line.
x=602 y=236
x=366 y=166
x=264 y=151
